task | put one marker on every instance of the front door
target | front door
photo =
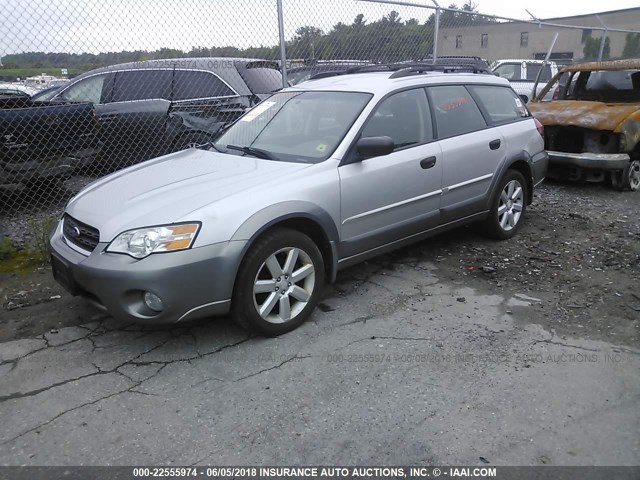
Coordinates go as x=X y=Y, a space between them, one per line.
x=387 y=198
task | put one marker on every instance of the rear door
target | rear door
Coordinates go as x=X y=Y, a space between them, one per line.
x=387 y=198
x=471 y=150
x=202 y=102
x=134 y=119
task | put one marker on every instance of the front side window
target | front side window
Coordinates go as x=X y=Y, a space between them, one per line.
x=404 y=117
x=500 y=104
x=86 y=90
x=189 y=85
x=455 y=110
x=142 y=85
x=295 y=126
x=510 y=71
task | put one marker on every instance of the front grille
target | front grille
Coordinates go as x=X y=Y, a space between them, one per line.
x=80 y=234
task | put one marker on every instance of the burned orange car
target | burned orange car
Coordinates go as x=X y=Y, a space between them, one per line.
x=592 y=123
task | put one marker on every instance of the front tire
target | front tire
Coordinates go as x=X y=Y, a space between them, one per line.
x=508 y=207
x=279 y=283
x=628 y=179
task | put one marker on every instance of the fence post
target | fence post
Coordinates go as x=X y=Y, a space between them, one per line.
x=602 y=41
x=436 y=29
x=283 y=52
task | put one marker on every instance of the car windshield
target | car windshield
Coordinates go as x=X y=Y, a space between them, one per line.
x=294 y=126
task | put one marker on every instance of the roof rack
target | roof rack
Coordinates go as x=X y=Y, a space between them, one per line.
x=417 y=69
x=403 y=69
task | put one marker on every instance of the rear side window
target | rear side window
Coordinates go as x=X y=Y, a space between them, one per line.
x=500 y=104
x=404 y=117
x=142 y=85
x=455 y=111
x=189 y=85
x=534 y=68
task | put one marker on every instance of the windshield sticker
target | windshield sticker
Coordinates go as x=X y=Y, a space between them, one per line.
x=518 y=103
x=321 y=147
x=263 y=107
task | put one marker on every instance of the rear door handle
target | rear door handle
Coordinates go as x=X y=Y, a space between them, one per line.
x=427 y=162
x=495 y=144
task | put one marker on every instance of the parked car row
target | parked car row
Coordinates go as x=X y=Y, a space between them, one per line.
x=143 y=110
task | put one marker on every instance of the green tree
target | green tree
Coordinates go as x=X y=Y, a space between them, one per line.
x=591 y=48
x=631 y=45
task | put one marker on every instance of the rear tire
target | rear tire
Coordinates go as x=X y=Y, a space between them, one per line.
x=508 y=207
x=279 y=283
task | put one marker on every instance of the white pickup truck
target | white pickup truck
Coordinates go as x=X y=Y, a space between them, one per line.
x=522 y=74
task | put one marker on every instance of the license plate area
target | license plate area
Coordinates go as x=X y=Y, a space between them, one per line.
x=62 y=274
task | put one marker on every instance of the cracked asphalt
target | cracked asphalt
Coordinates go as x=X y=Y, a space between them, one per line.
x=441 y=353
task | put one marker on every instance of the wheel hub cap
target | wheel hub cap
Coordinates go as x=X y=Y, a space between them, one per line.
x=284 y=285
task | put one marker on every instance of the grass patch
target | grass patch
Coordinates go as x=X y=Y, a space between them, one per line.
x=33 y=255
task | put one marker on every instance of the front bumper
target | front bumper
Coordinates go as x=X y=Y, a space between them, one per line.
x=599 y=161
x=192 y=283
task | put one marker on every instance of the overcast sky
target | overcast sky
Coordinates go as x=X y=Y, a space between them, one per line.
x=113 y=25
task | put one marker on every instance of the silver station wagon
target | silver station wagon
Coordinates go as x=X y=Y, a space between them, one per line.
x=314 y=179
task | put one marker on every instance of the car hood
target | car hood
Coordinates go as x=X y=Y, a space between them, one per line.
x=167 y=189
x=592 y=115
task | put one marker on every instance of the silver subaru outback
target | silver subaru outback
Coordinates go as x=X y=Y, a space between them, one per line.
x=312 y=180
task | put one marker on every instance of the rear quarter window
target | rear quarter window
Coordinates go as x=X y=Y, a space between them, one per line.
x=261 y=80
x=499 y=104
x=189 y=85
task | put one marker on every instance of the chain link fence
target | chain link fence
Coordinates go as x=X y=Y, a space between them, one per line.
x=87 y=88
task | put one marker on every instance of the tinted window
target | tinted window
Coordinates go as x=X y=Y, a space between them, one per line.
x=142 y=85
x=455 y=111
x=261 y=80
x=510 y=71
x=191 y=84
x=86 y=90
x=404 y=117
x=500 y=104
x=533 y=69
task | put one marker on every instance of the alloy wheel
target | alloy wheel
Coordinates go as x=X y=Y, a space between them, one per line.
x=284 y=285
x=511 y=205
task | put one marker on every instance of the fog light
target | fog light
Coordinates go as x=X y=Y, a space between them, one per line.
x=153 y=301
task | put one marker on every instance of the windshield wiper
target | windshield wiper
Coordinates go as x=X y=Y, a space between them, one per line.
x=255 y=152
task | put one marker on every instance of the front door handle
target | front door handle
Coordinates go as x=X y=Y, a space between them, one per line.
x=495 y=144
x=427 y=162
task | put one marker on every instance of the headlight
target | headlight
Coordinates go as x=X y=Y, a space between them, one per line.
x=142 y=242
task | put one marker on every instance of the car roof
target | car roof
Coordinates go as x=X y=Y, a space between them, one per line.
x=629 y=64
x=520 y=60
x=218 y=65
x=380 y=83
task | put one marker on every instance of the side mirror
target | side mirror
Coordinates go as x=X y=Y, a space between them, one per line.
x=369 y=147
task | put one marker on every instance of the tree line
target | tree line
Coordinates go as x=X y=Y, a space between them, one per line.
x=387 y=39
